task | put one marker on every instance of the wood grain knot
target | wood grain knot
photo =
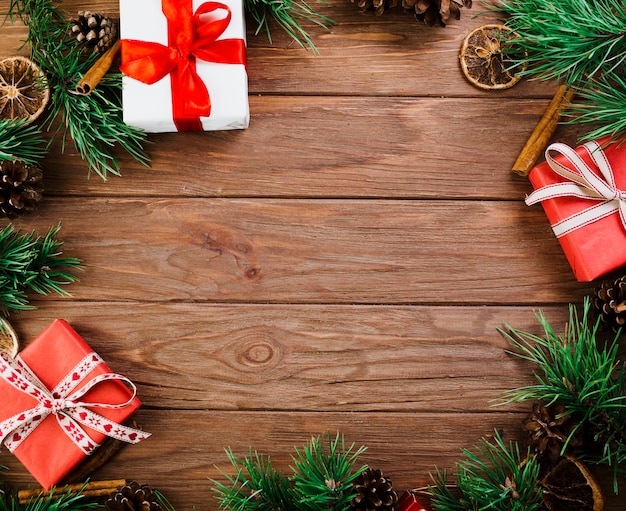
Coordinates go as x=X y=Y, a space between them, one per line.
x=259 y=353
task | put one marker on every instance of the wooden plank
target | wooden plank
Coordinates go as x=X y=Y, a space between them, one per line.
x=277 y=357
x=312 y=251
x=406 y=447
x=363 y=55
x=332 y=147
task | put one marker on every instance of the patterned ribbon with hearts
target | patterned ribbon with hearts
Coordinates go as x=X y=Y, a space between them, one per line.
x=191 y=35
x=64 y=403
x=583 y=183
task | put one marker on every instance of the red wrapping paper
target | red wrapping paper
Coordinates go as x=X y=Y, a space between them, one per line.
x=598 y=248
x=408 y=502
x=48 y=453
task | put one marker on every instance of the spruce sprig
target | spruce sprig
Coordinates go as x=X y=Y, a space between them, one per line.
x=94 y=122
x=288 y=15
x=494 y=476
x=64 y=501
x=19 y=141
x=324 y=473
x=584 y=375
x=256 y=485
x=321 y=479
x=581 y=43
x=30 y=263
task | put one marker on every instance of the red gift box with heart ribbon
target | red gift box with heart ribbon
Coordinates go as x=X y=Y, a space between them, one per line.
x=59 y=401
x=583 y=193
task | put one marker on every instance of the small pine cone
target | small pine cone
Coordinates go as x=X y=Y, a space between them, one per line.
x=95 y=30
x=609 y=301
x=374 y=492
x=548 y=429
x=133 y=497
x=21 y=187
x=379 y=7
x=436 y=12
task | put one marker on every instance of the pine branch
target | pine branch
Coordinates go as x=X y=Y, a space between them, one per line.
x=256 y=485
x=323 y=478
x=495 y=477
x=94 y=122
x=65 y=501
x=19 y=141
x=571 y=40
x=321 y=481
x=583 y=375
x=29 y=263
x=288 y=15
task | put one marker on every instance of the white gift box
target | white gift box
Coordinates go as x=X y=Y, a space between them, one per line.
x=149 y=107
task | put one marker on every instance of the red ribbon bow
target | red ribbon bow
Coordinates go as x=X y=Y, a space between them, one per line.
x=190 y=36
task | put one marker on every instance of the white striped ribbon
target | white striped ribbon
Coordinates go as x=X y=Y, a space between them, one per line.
x=582 y=183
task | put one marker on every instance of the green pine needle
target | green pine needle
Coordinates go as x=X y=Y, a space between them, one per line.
x=66 y=500
x=30 y=263
x=93 y=122
x=20 y=141
x=324 y=473
x=322 y=479
x=581 y=43
x=582 y=374
x=256 y=486
x=288 y=15
x=495 y=477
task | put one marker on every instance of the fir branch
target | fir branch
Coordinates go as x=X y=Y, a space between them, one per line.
x=583 y=375
x=20 y=141
x=256 y=485
x=67 y=500
x=94 y=122
x=29 y=263
x=495 y=477
x=288 y=15
x=571 y=40
x=323 y=479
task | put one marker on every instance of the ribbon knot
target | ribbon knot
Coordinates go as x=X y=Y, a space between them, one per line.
x=583 y=183
x=191 y=36
x=64 y=403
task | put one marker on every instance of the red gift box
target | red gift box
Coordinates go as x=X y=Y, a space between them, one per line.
x=59 y=401
x=581 y=192
x=408 y=502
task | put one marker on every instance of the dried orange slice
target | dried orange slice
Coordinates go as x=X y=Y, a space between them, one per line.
x=482 y=60
x=570 y=486
x=24 y=91
x=8 y=338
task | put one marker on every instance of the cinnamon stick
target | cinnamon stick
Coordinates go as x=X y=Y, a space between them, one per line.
x=540 y=137
x=98 y=70
x=91 y=489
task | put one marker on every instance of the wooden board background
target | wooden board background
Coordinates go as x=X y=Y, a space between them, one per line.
x=341 y=265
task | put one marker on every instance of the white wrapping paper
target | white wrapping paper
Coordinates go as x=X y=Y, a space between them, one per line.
x=149 y=107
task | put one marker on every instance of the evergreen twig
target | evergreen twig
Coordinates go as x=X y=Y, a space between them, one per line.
x=324 y=473
x=288 y=15
x=583 y=375
x=495 y=477
x=19 y=141
x=321 y=480
x=66 y=501
x=93 y=122
x=580 y=42
x=30 y=263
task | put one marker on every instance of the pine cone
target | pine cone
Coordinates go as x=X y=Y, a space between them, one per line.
x=548 y=429
x=95 y=30
x=133 y=497
x=609 y=302
x=436 y=12
x=378 y=6
x=21 y=187
x=374 y=492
